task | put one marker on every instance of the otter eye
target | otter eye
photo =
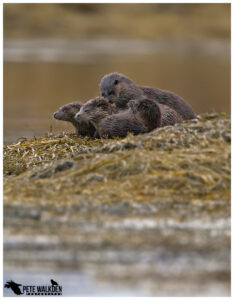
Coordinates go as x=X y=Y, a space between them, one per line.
x=116 y=81
x=103 y=94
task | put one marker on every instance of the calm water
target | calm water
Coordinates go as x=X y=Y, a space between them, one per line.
x=39 y=78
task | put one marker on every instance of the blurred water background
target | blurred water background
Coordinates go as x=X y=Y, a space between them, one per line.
x=58 y=53
x=159 y=246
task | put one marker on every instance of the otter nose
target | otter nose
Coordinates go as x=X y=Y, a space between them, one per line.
x=55 y=114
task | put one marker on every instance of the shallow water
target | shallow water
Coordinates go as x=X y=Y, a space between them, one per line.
x=135 y=254
x=165 y=260
x=41 y=75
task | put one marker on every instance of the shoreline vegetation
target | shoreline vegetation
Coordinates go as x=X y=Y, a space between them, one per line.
x=124 y=212
x=114 y=21
x=194 y=158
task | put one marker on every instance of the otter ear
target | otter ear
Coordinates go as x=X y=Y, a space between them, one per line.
x=77 y=105
x=102 y=102
x=116 y=81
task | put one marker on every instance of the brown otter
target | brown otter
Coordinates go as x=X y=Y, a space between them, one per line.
x=120 y=89
x=152 y=114
x=103 y=116
x=94 y=111
x=68 y=112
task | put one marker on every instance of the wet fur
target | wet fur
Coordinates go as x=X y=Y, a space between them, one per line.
x=94 y=111
x=169 y=116
x=102 y=114
x=67 y=113
x=119 y=89
x=154 y=115
x=119 y=125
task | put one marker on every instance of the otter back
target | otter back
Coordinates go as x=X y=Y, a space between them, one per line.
x=119 y=125
x=169 y=116
x=170 y=99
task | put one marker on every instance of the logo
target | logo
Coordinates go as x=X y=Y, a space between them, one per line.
x=14 y=286
x=35 y=290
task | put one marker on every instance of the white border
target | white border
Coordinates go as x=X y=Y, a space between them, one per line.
x=1 y=164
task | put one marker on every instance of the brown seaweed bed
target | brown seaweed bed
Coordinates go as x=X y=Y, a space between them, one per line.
x=128 y=213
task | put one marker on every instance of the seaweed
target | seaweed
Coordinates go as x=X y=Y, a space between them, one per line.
x=186 y=161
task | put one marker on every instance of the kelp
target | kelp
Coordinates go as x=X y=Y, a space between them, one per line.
x=175 y=163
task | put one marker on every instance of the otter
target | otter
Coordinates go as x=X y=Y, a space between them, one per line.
x=102 y=114
x=94 y=111
x=152 y=114
x=120 y=89
x=67 y=113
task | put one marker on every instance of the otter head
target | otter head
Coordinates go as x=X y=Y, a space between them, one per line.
x=67 y=112
x=94 y=111
x=148 y=111
x=119 y=89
